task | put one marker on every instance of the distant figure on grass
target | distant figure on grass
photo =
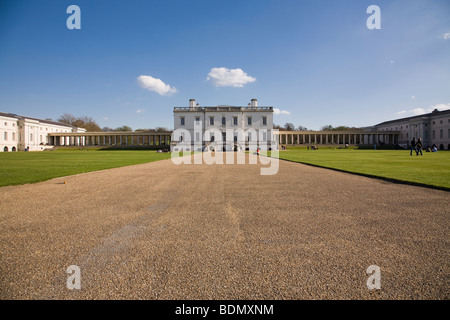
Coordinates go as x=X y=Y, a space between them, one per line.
x=413 y=146
x=419 y=147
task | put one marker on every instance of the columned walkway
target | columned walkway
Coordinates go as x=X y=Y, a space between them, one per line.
x=110 y=139
x=337 y=137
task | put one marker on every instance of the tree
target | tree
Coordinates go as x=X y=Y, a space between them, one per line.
x=87 y=123
x=302 y=128
x=289 y=127
x=107 y=129
x=123 y=128
x=328 y=127
x=67 y=118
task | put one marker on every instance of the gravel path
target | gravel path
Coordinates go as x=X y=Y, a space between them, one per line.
x=161 y=231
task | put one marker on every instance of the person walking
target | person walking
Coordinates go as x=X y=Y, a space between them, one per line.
x=413 y=146
x=419 y=147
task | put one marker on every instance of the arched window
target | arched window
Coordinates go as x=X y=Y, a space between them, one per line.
x=5 y=149
x=13 y=149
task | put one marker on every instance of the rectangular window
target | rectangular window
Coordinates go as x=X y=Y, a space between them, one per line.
x=433 y=134
x=182 y=121
x=264 y=121
x=235 y=121
x=211 y=121
x=249 y=121
x=40 y=137
x=5 y=136
x=441 y=134
x=14 y=136
x=224 y=121
x=197 y=119
x=31 y=137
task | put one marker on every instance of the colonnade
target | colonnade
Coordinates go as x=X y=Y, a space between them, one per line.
x=335 y=137
x=109 y=139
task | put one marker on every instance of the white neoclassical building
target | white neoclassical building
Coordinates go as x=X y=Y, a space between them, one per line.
x=433 y=128
x=18 y=133
x=223 y=127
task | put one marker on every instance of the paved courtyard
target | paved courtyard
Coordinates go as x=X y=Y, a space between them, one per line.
x=161 y=231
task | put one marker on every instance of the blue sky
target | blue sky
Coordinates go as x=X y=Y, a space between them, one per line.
x=316 y=61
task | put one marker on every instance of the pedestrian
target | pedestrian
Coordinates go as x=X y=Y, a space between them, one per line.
x=413 y=146
x=419 y=147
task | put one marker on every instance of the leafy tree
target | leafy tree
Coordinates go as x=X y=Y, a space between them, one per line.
x=328 y=127
x=289 y=127
x=123 y=128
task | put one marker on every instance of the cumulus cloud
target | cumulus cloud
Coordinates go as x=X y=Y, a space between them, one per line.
x=156 y=85
x=223 y=77
x=419 y=111
x=446 y=36
x=277 y=111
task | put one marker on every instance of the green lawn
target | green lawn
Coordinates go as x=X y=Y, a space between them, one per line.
x=430 y=169
x=30 y=167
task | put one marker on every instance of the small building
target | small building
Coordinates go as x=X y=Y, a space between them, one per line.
x=222 y=127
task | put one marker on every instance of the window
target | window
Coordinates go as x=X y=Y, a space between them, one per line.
x=13 y=136
x=14 y=124
x=249 y=121
x=235 y=121
x=224 y=121
x=6 y=124
x=407 y=135
x=31 y=137
x=182 y=121
x=5 y=136
x=40 y=137
x=211 y=121
x=433 y=134
x=264 y=121
x=197 y=119
x=441 y=122
x=441 y=134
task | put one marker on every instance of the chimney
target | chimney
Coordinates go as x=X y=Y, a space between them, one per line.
x=191 y=103
x=254 y=103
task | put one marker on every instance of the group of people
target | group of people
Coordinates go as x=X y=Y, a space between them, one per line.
x=416 y=146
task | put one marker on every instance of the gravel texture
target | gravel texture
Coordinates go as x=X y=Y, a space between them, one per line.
x=162 y=231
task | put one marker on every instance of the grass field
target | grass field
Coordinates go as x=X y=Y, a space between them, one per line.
x=431 y=169
x=30 y=167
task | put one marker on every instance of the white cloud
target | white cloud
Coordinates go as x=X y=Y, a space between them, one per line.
x=223 y=77
x=105 y=118
x=413 y=97
x=138 y=111
x=419 y=111
x=277 y=111
x=392 y=61
x=153 y=84
x=446 y=36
